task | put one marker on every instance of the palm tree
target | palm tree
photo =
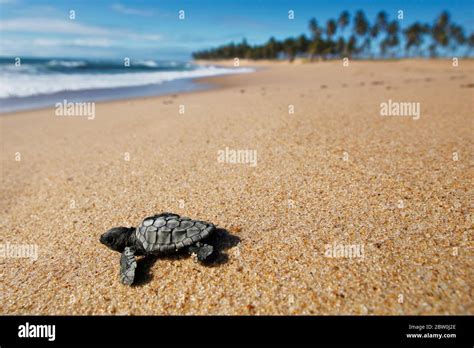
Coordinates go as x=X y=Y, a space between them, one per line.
x=381 y=20
x=380 y=24
x=457 y=35
x=443 y=19
x=342 y=23
x=289 y=46
x=414 y=36
x=432 y=50
x=470 y=43
x=374 y=31
x=444 y=33
x=440 y=32
x=392 y=39
x=361 y=27
x=314 y=28
x=351 y=47
x=316 y=45
x=343 y=20
x=302 y=44
x=340 y=47
x=271 y=49
x=243 y=49
x=331 y=27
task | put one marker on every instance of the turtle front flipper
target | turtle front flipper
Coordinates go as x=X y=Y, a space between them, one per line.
x=128 y=264
x=203 y=251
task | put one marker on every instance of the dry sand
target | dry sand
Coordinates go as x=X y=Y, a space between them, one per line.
x=400 y=194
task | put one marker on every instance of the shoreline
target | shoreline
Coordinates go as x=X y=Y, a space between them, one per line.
x=192 y=85
x=179 y=86
x=166 y=88
x=107 y=95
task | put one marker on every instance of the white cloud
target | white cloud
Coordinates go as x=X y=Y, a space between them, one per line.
x=60 y=26
x=49 y=25
x=131 y=11
x=146 y=37
x=85 y=42
x=92 y=42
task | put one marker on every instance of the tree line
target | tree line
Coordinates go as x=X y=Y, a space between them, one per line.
x=381 y=39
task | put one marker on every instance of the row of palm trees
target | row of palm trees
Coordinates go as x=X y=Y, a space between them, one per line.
x=381 y=39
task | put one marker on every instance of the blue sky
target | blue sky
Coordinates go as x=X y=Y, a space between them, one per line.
x=147 y=29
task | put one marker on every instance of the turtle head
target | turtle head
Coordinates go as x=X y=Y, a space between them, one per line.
x=117 y=238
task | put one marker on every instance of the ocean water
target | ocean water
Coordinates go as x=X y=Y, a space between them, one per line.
x=41 y=82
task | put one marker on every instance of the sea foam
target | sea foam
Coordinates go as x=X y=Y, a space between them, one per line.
x=16 y=84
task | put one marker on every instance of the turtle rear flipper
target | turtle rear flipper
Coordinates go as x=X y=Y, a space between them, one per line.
x=128 y=264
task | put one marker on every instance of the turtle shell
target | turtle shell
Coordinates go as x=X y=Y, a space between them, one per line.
x=167 y=232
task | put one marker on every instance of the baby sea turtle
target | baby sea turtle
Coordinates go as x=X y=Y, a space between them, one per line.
x=161 y=234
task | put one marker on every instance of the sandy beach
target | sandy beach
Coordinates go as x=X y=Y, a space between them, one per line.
x=330 y=170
